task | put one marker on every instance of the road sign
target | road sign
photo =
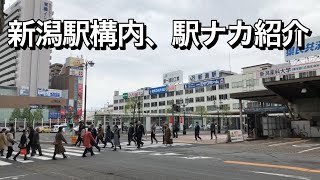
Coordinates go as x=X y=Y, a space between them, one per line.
x=125 y=95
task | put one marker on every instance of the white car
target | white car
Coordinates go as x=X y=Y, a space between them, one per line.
x=56 y=128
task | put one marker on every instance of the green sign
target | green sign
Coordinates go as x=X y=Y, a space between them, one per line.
x=125 y=95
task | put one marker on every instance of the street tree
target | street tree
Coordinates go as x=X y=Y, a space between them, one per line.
x=202 y=111
x=16 y=114
x=225 y=112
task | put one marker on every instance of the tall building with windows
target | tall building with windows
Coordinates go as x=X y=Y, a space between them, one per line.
x=25 y=68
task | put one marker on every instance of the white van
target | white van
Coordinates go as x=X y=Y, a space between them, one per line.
x=55 y=128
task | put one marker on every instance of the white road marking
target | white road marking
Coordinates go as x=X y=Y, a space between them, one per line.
x=165 y=154
x=142 y=151
x=3 y=163
x=67 y=153
x=197 y=157
x=309 y=150
x=13 y=177
x=306 y=145
x=41 y=158
x=285 y=143
x=19 y=160
x=281 y=175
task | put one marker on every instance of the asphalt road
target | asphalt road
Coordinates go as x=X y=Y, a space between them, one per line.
x=248 y=161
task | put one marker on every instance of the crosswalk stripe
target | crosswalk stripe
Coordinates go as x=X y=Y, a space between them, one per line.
x=67 y=153
x=3 y=163
x=41 y=157
x=142 y=151
x=19 y=160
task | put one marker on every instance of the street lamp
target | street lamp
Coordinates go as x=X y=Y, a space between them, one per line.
x=85 y=65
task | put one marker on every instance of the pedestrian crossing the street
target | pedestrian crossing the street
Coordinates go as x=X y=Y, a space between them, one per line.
x=76 y=152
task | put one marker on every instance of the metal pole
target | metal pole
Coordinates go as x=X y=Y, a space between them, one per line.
x=15 y=125
x=104 y=123
x=241 y=117
x=24 y=123
x=85 y=95
x=50 y=122
x=42 y=122
x=5 y=122
x=33 y=123
x=58 y=121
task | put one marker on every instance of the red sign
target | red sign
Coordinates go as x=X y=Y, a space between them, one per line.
x=170 y=119
x=180 y=119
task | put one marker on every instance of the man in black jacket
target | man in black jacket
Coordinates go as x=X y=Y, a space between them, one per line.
x=30 y=137
x=36 y=143
x=22 y=145
x=197 y=131
x=130 y=135
x=213 y=129
x=94 y=134
x=139 y=133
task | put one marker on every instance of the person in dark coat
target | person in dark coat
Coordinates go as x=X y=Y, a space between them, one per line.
x=30 y=137
x=130 y=135
x=213 y=129
x=79 y=140
x=22 y=145
x=100 y=134
x=36 y=143
x=197 y=131
x=58 y=146
x=108 y=137
x=94 y=135
x=153 y=134
x=116 y=139
x=139 y=133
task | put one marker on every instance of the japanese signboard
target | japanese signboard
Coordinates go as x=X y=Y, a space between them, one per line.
x=135 y=94
x=24 y=91
x=43 y=92
x=312 y=48
x=74 y=62
x=174 y=77
x=204 y=83
x=76 y=71
x=158 y=90
x=288 y=70
x=236 y=135
x=55 y=93
x=125 y=95
x=204 y=76
x=46 y=9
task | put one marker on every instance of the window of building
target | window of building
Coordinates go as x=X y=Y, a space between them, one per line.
x=115 y=108
x=154 y=104
x=170 y=102
x=115 y=102
x=236 y=106
x=154 y=111
x=120 y=107
x=200 y=76
x=169 y=94
x=179 y=101
x=271 y=79
x=146 y=105
x=146 y=97
x=179 y=92
x=162 y=95
x=200 y=99
x=200 y=108
x=162 y=103
x=199 y=89
x=211 y=108
x=188 y=91
x=223 y=96
x=307 y=74
x=190 y=109
x=238 y=84
x=162 y=111
x=224 y=86
x=153 y=96
x=189 y=100
x=211 y=88
x=206 y=75
x=211 y=98
x=224 y=107
x=253 y=104
x=287 y=77
x=121 y=100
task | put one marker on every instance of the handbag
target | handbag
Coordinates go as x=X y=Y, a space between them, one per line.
x=23 y=151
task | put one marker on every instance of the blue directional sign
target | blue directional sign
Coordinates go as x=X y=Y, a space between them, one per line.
x=204 y=83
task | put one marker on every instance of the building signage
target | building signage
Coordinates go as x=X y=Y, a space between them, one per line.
x=74 y=62
x=24 y=91
x=46 y=9
x=174 y=77
x=54 y=115
x=288 y=70
x=204 y=83
x=55 y=93
x=274 y=109
x=135 y=94
x=76 y=71
x=158 y=90
x=204 y=76
x=236 y=135
x=125 y=95
x=312 y=48
x=43 y=92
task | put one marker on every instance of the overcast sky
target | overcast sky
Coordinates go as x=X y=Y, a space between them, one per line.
x=132 y=69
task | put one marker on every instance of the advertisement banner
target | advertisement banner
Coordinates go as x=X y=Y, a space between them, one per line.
x=125 y=95
x=135 y=94
x=76 y=71
x=236 y=135
x=204 y=76
x=74 y=62
x=312 y=48
x=54 y=115
x=55 y=93
x=171 y=88
x=43 y=92
x=158 y=90
x=204 y=83
x=288 y=70
x=79 y=99
x=24 y=91
x=174 y=77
